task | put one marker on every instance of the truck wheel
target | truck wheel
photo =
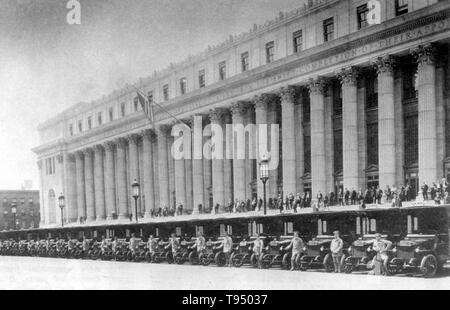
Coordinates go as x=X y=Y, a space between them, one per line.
x=193 y=258
x=220 y=259
x=346 y=264
x=328 y=263
x=169 y=258
x=237 y=260
x=266 y=261
x=429 y=266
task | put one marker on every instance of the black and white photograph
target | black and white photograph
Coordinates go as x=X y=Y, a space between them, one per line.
x=201 y=146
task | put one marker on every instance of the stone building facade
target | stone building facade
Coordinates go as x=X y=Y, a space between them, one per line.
x=358 y=105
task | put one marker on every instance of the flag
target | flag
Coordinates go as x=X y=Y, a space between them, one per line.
x=147 y=106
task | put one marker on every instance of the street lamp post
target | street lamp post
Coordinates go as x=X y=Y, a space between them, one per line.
x=135 y=187
x=264 y=176
x=14 y=211
x=61 y=201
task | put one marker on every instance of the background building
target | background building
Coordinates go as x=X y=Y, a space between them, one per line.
x=27 y=209
x=358 y=105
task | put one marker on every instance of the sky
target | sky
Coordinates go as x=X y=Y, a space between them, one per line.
x=47 y=65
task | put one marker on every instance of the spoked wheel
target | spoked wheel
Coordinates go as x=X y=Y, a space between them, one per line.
x=237 y=260
x=347 y=264
x=169 y=257
x=266 y=261
x=219 y=259
x=193 y=258
x=204 y=259
x=328 y=263
x=286 y=262
x=179 y=259
x=429 y=266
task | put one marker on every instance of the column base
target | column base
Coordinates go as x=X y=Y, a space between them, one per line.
x=123 y=217
x=90 y=219
x=147 y=215
x=109 y=218
x=100 y=218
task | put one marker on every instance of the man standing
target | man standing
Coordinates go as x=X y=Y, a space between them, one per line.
x=336 y=247
x=257 y=249
x=380 y=246
x=133 y=245
x=297 y=248
x=200 y=243
x=226 y=246
x=174 y=244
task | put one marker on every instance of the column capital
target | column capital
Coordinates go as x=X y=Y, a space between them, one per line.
x=287 y=94
x=425 y=54
x=70 y=157
x=385 y=64
x=98 y=148
x=348 y=76
x=148 y=134
x=133 y=138
x=316 y=86
x=109 y=146
x=88 y=152
x=262 y=101
x=216 y=115
x=79 y=154
x=121 y=142
x=188 y=121
x=238 y=108
x=163 y=130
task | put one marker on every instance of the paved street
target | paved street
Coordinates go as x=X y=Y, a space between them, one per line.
x=48 y=273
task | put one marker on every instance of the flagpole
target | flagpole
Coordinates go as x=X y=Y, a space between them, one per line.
x=142 y=94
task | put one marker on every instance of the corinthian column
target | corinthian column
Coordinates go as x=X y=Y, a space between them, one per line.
x=89 y=183
x=81 y=199
x=180 y=175
x=288 y=142
x=133 y=141
x=228 y=160
x=147 y=141
x=386 y=121
x=318 y=162
x=99 y=184
x=198 y=192
x=110 y=185
x=426 y=84
x=261 y=106
x=348 y=79
x=72 y=188
x=238 y=112
x=217 y=157
x=163 y=171
x=122 y=178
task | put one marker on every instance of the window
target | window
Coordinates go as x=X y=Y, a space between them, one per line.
x=122 y=109
x=270 y=51
x=361 y=13
x=328 y=29
x=244 y=62
x=99 y=118
x=71 y=129
x=183 y=85
x=90 y=122
x=80 y=126
x=166 y=92
x=401 y=7
x=201 y=79
x=150 y=96
x=298 y=41
x=410 y=90
x=136 y=104
x=222 y=71
x=371 y=92
x=111 y=113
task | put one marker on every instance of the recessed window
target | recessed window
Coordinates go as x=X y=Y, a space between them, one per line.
x=401 y=7
x=136 y=104
x=90 y=122
x=166 y=92
x=71 y=129
x=222 y=70
x=111 y=113
x=99 y=118
x=122 y=109
x=328 y=29
x=245 y=61
x=150 y=96
x=80 y=126
x=361 y=12
x=298 y=41
x=201 y=79
x=270 y=51
x=183 y=85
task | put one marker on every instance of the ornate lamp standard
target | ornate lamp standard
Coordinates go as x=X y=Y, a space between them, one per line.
x=264 y=176
x=136 y=188
x=14 y=211
x=61 y=202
